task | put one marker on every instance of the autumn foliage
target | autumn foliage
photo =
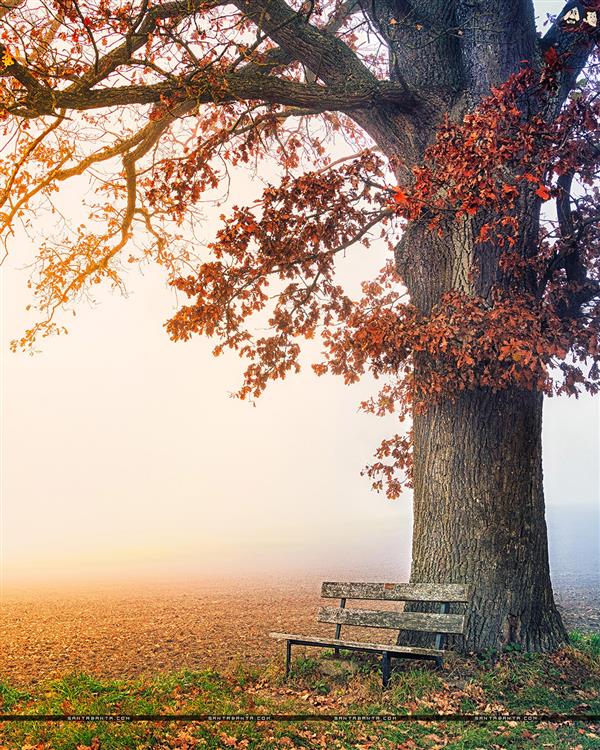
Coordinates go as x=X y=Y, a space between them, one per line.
x=526 y=332
x=210 y=108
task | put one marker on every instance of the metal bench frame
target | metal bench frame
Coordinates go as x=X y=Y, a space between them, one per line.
x=441 y=624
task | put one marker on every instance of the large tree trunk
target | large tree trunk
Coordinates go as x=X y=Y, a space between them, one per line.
x=478 y=489
x=479 y=515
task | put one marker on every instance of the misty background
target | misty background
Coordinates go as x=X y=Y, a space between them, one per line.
x=124 y=458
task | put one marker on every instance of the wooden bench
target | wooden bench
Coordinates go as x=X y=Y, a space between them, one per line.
x=440 y=624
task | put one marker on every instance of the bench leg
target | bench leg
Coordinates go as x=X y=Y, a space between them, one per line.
x=288 y=658
x=386 y=668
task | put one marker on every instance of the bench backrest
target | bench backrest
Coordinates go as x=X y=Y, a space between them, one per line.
x=441 y=623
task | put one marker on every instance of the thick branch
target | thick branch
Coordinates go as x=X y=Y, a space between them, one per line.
x=496 y=37
x=230 y=87
x=573 y=36
x=317 y=49
x=422 y=41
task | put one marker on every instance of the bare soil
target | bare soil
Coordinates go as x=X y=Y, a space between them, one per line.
x=126 y=631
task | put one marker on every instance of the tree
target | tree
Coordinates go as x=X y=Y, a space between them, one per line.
x=466 y=127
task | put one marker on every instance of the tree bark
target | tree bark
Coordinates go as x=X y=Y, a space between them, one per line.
x=479 y=515
x=478 y=487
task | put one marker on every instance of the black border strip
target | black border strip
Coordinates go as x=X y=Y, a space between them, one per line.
x=554 y=718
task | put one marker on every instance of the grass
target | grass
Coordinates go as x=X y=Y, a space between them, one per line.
x=512 y=682
x=589 y=643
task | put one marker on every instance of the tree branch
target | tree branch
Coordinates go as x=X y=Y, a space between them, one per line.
x=137 y=37
x=569 y=255
x=317 y=49
x=573 y=36
x=229 y=87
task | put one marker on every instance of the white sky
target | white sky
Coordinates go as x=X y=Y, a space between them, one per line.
x=124 y=456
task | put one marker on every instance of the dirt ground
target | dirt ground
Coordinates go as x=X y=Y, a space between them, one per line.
x=125 y=631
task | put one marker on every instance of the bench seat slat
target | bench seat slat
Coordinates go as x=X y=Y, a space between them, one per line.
x=403 y=592
x=420 y=621
x=360 y=645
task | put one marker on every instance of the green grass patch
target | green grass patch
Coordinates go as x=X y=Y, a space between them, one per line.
x=588 y=643
x=414 y=684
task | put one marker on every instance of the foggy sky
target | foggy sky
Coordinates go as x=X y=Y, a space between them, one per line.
x=124 y=456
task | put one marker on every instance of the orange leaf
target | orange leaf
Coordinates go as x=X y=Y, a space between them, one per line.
x=400 y=197
x=543 y=192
